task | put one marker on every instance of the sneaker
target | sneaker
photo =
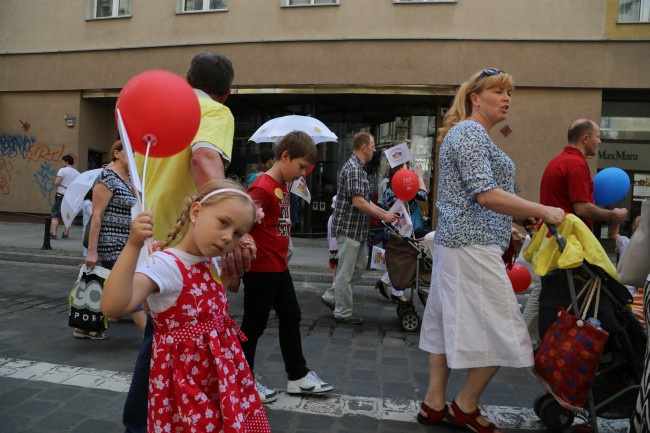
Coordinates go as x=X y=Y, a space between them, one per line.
x=267 y=395
x=52 y=236
x=327 y=304
x=349 y=320
x=310 y=384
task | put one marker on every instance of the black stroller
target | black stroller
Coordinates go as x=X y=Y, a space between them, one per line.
x=409 y=266
x=613 y=392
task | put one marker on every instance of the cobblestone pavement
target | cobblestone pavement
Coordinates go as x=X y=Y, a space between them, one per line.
x=51 y=382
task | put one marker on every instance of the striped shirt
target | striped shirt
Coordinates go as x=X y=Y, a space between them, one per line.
x=347 y=220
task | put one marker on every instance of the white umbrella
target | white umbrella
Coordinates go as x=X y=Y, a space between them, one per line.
x=281 y=126
x=75 y=193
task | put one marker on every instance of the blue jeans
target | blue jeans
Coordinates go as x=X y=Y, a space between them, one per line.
x=134 y=417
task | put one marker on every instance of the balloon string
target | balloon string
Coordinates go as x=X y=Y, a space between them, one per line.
x=148 y=242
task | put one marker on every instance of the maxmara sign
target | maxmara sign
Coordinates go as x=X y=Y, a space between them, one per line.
x=632 y=157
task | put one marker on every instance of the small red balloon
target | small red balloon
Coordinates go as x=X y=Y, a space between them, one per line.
x=405 y=184
x=310 y=169
x=159 y=107
x=519 y=277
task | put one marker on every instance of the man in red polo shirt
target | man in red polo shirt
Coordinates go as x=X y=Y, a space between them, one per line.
x=567 y=184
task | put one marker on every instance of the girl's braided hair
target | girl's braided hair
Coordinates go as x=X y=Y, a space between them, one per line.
x=179 y=227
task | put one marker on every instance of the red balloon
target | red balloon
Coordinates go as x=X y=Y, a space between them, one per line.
x=161 y=108
x=310 y=169
x=519 y=277
x=405 y=184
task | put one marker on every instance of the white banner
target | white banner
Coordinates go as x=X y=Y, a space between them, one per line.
x=378 y=259
x=397 y=155
x=403 y=221
x=300 y=189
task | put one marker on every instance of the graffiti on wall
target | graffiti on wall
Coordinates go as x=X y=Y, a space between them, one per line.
x=6 y=168
x=14 y=145
x=42 y=160
x=44 y=178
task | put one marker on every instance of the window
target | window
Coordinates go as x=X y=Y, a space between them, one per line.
x=110 y=8
x=310 y=2
x=634 y=11
x=202 y=5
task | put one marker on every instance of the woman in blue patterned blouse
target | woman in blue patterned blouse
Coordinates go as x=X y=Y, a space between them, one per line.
x=472 y=318
x=110 y=223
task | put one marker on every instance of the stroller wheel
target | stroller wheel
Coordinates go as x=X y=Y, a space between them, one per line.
x=555 y=417
x=409 y=321
x=403 y=307
x=539 y=401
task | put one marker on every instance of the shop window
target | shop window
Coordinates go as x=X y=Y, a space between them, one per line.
x=634 y=11
x=186 y=6
x=109 y=9
x=310 y=2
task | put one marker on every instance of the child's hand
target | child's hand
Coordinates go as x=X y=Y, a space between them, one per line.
x=141 y=228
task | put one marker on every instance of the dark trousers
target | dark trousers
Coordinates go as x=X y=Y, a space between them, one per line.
x=555 y=293
x=134 y=417
x=263 y=291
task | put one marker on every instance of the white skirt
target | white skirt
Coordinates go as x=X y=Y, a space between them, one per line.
x=472 y=315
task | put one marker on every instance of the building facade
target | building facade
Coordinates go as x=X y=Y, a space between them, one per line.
x=385 y=66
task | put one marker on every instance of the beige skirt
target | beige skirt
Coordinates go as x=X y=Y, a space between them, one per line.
x=472 y=315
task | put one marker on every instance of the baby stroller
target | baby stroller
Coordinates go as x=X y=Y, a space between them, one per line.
x=408 y=263
x=613 y=392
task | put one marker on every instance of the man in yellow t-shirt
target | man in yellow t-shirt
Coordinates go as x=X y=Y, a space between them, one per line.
x=170 y=180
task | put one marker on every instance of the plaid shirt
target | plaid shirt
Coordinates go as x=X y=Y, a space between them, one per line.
x=347 y=220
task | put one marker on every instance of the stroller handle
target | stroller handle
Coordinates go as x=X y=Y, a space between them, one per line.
x=561 y=241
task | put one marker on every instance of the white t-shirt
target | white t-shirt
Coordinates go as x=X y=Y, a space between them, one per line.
x=67 y=175
x=164 y=271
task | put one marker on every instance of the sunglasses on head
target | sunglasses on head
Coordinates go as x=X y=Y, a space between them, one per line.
x=489 y=72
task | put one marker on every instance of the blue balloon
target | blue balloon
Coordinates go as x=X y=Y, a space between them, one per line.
x=610 y=186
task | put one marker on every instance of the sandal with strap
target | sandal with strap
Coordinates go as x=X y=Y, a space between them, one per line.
x=433 y=416
x=469 y=420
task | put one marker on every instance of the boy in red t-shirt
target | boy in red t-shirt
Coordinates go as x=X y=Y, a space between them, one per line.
x=269 y=284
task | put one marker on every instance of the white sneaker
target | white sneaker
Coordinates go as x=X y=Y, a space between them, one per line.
x=309 y=384
x=267 y=395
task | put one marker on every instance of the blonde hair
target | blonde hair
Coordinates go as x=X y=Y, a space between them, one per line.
x=179 y=227
x=461 y=108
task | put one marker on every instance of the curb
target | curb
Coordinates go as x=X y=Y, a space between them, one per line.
x=303 y=274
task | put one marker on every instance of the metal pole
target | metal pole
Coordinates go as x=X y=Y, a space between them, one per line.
x=46 y=237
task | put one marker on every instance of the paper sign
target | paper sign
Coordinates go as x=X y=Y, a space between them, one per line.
x=403 y=221
x=378 y=259
x=300 y=189
x=397 y=155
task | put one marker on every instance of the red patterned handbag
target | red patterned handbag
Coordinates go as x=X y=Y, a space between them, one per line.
x=568 y=356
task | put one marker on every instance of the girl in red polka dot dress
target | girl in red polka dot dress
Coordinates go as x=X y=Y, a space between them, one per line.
x=199 y=379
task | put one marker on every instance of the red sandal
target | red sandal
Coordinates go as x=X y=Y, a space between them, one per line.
x=469 y=420
x=433 y=416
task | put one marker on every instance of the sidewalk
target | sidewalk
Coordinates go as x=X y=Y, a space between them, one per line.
x=22 y=242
